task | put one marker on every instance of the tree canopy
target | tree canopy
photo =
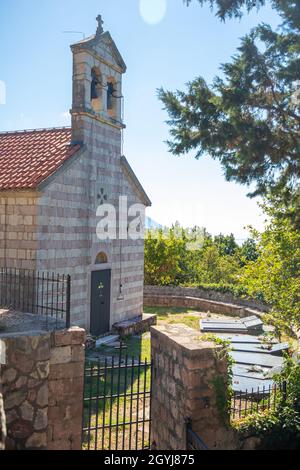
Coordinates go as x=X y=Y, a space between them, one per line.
x=276 y=272
x=249 y=119
x=288 y=9
x=192 y=256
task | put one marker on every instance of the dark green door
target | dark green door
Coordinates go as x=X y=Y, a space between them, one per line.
x=100 y=302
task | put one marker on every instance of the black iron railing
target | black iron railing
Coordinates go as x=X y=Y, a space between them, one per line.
x=193 y=441
x=45 y=294
x=257 y=400
x=117 y=400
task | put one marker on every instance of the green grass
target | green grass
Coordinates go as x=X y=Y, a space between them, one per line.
x=172 y=315
x=136 y=347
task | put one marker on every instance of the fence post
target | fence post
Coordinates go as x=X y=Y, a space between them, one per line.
x=68 y=303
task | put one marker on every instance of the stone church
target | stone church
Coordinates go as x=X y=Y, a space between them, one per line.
x=53 y=180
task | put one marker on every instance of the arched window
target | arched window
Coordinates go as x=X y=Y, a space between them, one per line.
x=101 y=258
x=96 y=89
x=111 y=97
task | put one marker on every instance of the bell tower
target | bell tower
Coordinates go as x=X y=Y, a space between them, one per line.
x=97 y=84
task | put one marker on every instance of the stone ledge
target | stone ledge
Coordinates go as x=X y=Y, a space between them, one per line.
x=72 y=336
x=184 y=338
x=134 y=326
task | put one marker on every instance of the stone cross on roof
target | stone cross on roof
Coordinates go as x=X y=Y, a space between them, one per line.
x=100 y=25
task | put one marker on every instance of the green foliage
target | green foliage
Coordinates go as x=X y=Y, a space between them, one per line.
x=223 y=391
x=287 y=9
x=166 y=258
x=279 y=428
x=226 y=244
x=249 y=251
x=191 y=257
x=248 y=119
x=215 y=268
x=276 y=272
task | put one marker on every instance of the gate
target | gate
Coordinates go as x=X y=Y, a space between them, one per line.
x=117 y=400
x=193 y=441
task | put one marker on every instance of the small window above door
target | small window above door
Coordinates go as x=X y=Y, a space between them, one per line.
x=101 y=258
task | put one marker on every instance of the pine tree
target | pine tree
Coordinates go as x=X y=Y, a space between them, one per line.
x=250 y=119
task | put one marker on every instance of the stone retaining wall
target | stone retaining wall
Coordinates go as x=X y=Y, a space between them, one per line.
x=154 y=300
x=43 y=388
x=201 y=293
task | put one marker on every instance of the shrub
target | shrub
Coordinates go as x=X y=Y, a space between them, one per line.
x=279 y=428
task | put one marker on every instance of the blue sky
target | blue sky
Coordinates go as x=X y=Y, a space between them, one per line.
x=36 y=65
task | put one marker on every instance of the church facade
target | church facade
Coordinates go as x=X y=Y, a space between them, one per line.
x=52 y=183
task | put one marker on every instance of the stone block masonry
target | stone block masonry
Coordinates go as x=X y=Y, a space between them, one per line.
x=18 y=238
x=43 y=388
x=189 y=382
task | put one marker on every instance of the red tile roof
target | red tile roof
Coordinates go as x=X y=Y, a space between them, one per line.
x=29 y=157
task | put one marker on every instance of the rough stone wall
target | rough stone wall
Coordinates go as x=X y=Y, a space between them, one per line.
x=38 y=397
x=66 y=382
x=2 y=422
x=18 y=243
x=25 y=391
x=189 y=381
x=150 y=291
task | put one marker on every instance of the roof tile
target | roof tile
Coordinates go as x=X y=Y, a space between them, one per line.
x=27 y=158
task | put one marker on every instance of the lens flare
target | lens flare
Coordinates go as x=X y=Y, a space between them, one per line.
x=153 y=11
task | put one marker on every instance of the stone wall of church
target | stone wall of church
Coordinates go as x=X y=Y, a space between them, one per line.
x=67 y=240
x=18 y=242
x=63 y=233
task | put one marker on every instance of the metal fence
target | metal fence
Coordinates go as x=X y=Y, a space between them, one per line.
x=37 y=292
x=193 y=441
x=117 y=400
x=257 y=400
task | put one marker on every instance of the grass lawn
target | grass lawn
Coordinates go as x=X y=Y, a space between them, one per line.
x=170 y=315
